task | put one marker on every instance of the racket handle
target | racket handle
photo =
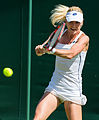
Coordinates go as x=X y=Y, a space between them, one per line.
x=50 y=48
x=52 y=52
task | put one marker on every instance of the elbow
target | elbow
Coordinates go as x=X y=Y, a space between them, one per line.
x=70 y=56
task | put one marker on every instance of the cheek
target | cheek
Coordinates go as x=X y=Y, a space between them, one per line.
x=80 y=26
x=69 y=26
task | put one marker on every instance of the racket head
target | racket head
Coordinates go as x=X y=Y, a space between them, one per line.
x=55 y=37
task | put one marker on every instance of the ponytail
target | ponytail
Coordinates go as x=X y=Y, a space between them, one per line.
x=58 y=14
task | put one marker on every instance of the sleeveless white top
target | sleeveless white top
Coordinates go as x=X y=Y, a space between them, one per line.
x=66 y=82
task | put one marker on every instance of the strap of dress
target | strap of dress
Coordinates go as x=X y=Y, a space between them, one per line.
x=75 y=40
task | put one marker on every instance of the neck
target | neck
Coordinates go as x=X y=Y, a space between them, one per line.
x=72 y=34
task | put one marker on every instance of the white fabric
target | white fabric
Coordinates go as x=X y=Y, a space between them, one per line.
x=66 y=82
x=74 y=16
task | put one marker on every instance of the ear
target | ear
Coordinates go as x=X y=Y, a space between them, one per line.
x=82 y=23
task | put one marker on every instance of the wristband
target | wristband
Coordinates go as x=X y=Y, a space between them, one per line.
x=52 y=51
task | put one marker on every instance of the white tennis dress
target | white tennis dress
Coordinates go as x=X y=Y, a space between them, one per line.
x=66 y=82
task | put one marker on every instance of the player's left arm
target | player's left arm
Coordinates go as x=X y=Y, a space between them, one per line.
x=81 y=45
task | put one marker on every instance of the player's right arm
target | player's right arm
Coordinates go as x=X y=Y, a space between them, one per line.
x=39 y=48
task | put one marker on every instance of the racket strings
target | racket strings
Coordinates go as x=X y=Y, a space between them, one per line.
x=55 y=37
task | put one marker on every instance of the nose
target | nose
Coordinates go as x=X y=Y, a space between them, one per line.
x=73 y=24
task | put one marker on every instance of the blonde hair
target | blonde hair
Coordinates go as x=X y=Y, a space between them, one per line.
x=58 y=14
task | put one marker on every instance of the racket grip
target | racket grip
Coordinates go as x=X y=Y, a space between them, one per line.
x=52 y=51
x=50 y=48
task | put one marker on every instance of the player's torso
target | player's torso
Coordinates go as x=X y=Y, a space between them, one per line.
x=74 y=65
x=67 y=38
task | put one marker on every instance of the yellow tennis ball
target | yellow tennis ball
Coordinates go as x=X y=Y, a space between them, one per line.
x=8 y=72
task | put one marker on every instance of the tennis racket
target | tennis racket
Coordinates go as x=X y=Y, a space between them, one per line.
x=54 y=38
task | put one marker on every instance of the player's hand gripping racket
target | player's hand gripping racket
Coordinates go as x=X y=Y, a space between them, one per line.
x=54 y=38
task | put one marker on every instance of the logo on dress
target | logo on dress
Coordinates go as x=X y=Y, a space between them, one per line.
x=73 y=41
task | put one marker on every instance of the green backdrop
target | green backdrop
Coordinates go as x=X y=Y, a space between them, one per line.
x=42 y=67
x=13 y=54
x=14 y=15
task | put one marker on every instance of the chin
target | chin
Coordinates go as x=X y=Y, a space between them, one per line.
x=74 y=31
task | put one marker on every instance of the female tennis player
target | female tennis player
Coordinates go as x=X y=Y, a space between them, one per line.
x=66 y=82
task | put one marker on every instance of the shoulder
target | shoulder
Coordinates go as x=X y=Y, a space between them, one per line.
x=84 y=37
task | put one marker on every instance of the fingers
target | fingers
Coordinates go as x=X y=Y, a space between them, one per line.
x=39 y=50
x=39 y=47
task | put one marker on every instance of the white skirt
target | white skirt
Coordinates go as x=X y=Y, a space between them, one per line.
x=67 y=88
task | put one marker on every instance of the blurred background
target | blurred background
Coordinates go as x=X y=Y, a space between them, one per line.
x=14 y=23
